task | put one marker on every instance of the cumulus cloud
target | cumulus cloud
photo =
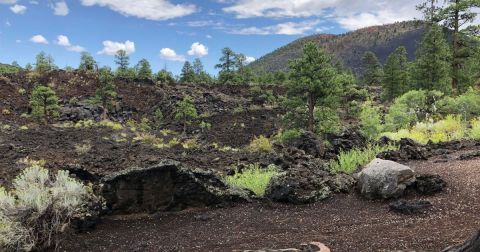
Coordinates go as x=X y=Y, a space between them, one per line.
x=170 y=54
x=249 y=59
x=350 y=14
x=289 y=28
x=64 y=41
x=60 y=8
x=111 y=48
x=18 y=9
x=39 y=39
x=198 y=50
x=147 y=9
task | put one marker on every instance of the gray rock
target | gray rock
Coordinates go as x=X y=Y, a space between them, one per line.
x=383 y=179
x=471 y=245
x=166 y=186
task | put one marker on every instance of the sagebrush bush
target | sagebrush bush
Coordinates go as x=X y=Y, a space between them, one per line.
x=39 y=208
x=253 y=178
x=350 y=161
x=260 y=144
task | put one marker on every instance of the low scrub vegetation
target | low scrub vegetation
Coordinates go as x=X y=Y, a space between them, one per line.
x=350 y=161
x=253 y=178
x=260 y=144
x=39 y=208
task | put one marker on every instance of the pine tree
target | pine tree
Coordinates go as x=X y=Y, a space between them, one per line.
x=456 y=14
x=314 y=82
x=396 y=79
x=188 y=74
x=122 y=61
x=165 y=77
x=144 y=70
x=198 y=67
x=44 y=103
x=431 y=69
x=44 y=63
x=106 y=93
x=227 y=66
x=87 y=63
x=185 y=111
x=373 y=71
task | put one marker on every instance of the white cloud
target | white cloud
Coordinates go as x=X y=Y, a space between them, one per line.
x=7 y=23
x=249 y=59
x=60 y=8
x=63 y=40
x=209 y=36
x=111 y=48
x=33 y=2
x=289 y=28
x=350 y=14
x=170 y=54
x=18 y=41
x=198 y=50
x=76 y=48
x=8 y=1
x=147 y=9
x=18 y=9
x=39 y=39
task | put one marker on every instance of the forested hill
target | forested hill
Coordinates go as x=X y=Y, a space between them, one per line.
x=349 y=47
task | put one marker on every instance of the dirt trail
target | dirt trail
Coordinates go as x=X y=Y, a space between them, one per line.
x=344 y=223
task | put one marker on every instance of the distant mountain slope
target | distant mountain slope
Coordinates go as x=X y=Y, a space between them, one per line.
x=349 y=47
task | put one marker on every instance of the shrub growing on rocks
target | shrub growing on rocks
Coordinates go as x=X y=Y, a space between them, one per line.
x=253 y=178
x=39 y=208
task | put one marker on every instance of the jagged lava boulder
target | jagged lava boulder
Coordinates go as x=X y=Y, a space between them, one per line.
x=166 y=186
x=383 y=179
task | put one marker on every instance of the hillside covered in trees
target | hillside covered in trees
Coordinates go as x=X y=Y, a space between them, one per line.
x=350 y=47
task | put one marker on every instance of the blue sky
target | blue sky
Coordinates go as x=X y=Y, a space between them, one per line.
x=167 y=32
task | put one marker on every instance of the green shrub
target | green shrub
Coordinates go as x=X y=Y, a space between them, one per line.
x=467 y=105
x=260 y=144
x=370 y=120
x=289 y=135
x=475 y=130
x=253 y=178
x=350 y=161
x=39 y=208
x=44 y=103
x=449 y=129
x=328 y=120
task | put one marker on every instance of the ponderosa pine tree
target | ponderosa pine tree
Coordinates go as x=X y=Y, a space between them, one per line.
x=123 y=61
x=106 y=93
x=396 y=74
x=185 y=112
x=314 y=82
x=188 y=74
x=44 y=103
x=227 y=66
x=431 y=69
x=165 y=77
x=44 y=63
x=87 y=63
x=144 y=70
x=456 y=14
x=373 y=70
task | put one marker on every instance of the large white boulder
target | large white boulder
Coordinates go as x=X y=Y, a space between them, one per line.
x=383 y=179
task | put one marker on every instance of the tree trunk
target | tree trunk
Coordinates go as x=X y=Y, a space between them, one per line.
x=456 y=48
x=311 y=109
